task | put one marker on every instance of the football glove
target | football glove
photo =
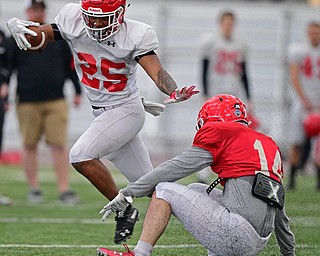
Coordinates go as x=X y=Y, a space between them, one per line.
x=118 y=204
x=153 y=108
x=18 y=28
x=181 y=94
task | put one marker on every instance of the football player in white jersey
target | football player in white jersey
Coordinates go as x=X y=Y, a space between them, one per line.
x=107 y=48
x=304 y=71
x=223 y=66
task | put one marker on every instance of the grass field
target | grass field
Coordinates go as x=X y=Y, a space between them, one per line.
x=54 y=229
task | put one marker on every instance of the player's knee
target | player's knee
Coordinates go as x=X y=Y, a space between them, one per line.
x=198 y=186
x=169 y=191
x=78 y=154
x=163 y=186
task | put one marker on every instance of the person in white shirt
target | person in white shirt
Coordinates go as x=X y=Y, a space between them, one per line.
x=304 y=71
x=224 y=66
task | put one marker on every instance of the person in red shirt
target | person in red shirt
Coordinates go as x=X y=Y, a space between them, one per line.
x=237 y=220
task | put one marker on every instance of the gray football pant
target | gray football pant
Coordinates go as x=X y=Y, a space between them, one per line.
x=220 y=231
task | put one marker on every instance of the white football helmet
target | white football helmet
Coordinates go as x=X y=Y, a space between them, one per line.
x=102 y=18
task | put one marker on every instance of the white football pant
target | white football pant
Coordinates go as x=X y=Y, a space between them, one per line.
x=115 y=134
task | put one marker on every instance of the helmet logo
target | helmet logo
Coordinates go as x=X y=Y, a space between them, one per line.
x=96 y=1
x=237 y=112
x=93 y=9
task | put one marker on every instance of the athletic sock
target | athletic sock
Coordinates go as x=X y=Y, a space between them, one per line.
x=306 y=149
x=143 y=249
x=292 y=177
x=318 y=177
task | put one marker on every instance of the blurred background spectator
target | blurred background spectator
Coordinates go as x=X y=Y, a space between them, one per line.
x=41 y=107
x=304 y=71
x=223 y=64
x=4 y=79
x=224 y=61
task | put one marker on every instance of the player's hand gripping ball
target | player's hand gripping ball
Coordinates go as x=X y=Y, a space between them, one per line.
x=39 y=42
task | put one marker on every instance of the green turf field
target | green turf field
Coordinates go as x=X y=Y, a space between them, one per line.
x=57 y=230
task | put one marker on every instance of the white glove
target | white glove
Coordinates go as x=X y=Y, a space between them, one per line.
x=118 y=204
x=152 y=107
x=181 y=94
x=18 y=28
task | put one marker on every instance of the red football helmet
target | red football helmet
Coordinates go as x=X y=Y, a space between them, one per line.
x=311 y=124
x=222 y=108
x=110 y=13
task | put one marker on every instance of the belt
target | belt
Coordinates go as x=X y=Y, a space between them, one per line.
x=108 y=107
x=105 y=107
x=94 y=107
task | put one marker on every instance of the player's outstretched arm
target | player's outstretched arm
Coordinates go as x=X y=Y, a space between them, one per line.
x=152 y=65
x=20 y=28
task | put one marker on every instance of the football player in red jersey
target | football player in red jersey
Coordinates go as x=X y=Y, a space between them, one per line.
x=107 y=49
x=236 y=221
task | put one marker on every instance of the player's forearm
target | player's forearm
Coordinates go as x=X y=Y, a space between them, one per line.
x=165 y=82
x=295 y=80
x=190 y=161
x=49 y=30
x=244 y=79
x=205 y=70
x=4 y=75
x=284 y=235
x=152 y=65
x=298 y=89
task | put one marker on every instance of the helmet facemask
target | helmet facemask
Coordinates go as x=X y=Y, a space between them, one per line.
x=111 y=21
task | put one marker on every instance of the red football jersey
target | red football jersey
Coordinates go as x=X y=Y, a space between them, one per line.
x=239 y=151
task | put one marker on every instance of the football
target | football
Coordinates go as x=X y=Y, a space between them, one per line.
x=39 y=42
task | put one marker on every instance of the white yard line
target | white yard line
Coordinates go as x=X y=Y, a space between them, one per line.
x=301 y=221
x=164 y=246
x=54 y=220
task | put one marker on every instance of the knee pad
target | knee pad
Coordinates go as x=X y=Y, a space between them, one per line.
x=78 y=153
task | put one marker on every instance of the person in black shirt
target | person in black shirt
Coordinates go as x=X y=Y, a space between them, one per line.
x=4 y=79
x=41 y=106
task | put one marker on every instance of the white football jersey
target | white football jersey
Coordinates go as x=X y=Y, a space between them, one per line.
x=225 y=70
x=308 y=58
x=107 y=70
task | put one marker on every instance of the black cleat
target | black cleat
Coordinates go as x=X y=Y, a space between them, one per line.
x=125 y=224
